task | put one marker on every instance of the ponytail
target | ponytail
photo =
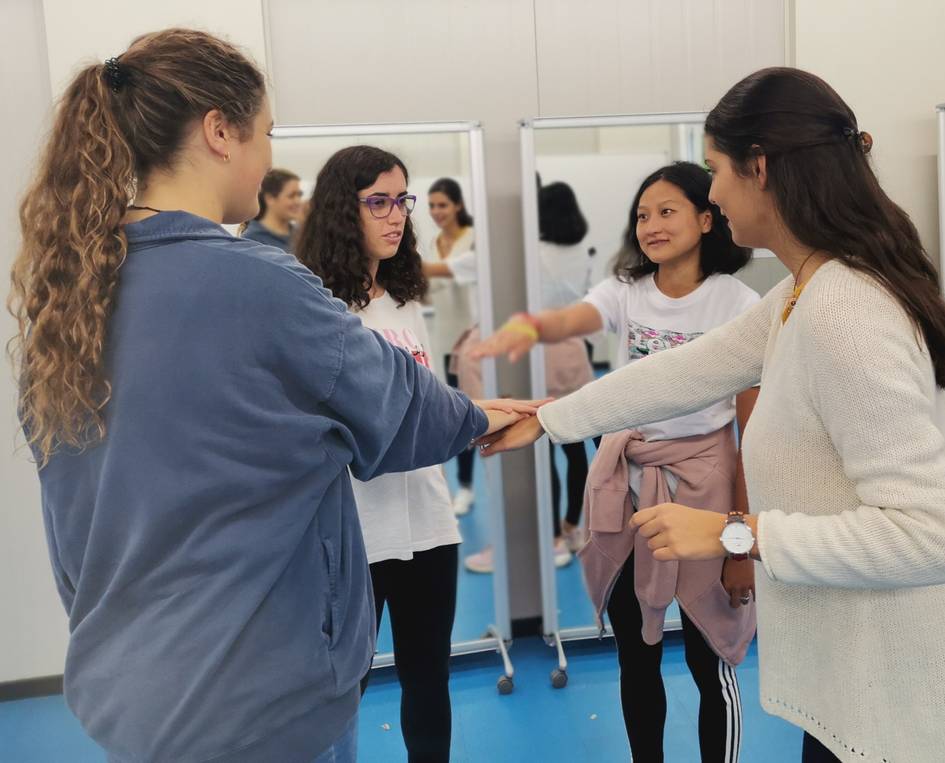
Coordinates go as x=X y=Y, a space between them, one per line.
x=116 y=123
x=66 y=275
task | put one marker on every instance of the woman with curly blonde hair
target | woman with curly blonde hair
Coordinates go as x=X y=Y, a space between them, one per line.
x=194 y=402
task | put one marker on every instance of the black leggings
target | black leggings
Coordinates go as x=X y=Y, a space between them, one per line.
x=576 y=456
x=421 y=600
x=464 y=460
x=641 y=684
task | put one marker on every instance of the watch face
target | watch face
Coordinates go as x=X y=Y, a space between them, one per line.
x=737 y=538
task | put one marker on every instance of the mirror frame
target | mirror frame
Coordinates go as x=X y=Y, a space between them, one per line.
x=497 y=634
x=553 y=633
x=940 y=109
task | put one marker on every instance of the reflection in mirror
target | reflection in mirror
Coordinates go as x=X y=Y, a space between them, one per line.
x=374 y=220
x=626 y=253
x=648 y=238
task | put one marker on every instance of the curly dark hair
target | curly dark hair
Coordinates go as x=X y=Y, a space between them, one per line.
x=331 y=243
x=718 y=253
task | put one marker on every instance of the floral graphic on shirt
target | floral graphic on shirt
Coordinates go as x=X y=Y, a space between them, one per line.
x=406 y=339
x=643 y=340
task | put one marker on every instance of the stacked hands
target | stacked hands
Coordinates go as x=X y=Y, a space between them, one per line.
x=674 y=532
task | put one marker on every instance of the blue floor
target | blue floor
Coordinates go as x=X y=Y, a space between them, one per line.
x=581 y=722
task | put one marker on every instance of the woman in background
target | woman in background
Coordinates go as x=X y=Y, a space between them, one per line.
x=450 y=265
x=280 y=209
x=565 y=274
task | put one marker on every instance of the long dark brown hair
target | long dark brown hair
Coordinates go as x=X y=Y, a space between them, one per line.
x=825 y=189
x=331 y=243
x=452 y=191
x=717 y=252
x=115 y=124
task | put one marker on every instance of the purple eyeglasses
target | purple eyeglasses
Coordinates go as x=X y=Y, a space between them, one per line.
x=382 y=206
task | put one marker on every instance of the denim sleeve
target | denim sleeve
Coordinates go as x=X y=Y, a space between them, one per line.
x=394 y=414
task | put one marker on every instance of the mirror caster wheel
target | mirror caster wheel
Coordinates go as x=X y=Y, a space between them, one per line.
x=505 y=685
x=559 y=678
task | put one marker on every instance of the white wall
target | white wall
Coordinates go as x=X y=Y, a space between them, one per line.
x=32 y=621
x=80 y=33
x=887 y=61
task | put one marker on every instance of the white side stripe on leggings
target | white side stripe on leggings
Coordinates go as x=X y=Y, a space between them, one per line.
x=733 y=712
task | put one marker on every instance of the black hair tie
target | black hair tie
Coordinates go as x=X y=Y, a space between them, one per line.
x=115 y=75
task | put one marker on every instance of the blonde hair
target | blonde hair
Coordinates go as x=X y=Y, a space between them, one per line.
x=115 y=124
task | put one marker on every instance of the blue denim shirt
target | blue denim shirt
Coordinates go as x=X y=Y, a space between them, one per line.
x=208 y=551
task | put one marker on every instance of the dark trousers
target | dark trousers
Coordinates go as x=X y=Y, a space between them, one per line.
x=641 y=684
x=576 y=477
x=464 y=461
x=814 y=752
x=576 y=457
x=421 y=599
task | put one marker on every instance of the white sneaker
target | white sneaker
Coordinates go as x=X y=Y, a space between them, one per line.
x=481 y=562
x=463 y=501
x=563 y=555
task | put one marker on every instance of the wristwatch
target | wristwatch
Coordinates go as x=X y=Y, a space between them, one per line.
x=737 y=537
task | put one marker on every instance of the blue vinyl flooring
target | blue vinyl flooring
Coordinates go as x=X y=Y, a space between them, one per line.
x=581 y=722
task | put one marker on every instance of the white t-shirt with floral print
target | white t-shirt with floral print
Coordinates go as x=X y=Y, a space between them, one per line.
x=647 y=321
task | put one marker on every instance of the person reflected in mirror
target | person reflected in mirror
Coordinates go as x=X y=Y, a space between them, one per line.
x=672 y=282
x=280 y=210
x=360 y=240
x=565 y=279
x=450 y=266
x=194 y=402
x=844 y=454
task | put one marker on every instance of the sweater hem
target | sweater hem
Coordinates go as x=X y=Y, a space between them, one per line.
x=844 y=750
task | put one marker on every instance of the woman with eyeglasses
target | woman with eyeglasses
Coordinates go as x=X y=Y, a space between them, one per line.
x=360 y=240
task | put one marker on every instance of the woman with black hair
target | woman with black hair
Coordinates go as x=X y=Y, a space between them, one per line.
x=845 y=455
x=280 y=209
x=359 y=238
x=672 y=282
x=565 y=276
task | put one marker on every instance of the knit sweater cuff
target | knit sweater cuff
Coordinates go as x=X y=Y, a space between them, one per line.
x=764 y=549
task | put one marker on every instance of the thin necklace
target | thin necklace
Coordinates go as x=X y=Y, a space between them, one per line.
x=789 y=307
x=143 y=208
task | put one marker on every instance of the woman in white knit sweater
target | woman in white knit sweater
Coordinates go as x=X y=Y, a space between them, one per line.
x=844 y=462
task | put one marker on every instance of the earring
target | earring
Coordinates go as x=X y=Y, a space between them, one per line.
x=226 y=157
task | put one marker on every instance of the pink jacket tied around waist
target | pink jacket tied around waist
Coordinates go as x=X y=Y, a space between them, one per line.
x=705 y=468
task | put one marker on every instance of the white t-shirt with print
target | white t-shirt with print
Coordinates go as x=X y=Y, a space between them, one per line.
x=647 y=321
x=405 y=512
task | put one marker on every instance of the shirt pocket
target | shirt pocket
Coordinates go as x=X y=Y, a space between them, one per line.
x=609 y=510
